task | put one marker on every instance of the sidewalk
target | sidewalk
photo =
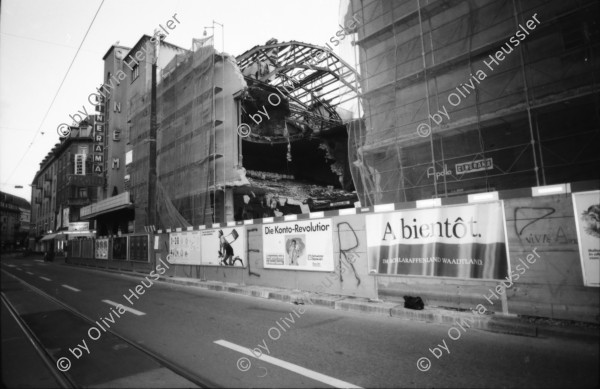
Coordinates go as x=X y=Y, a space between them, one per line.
x=461 y=319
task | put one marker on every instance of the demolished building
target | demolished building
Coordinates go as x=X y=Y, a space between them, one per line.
x=303 y=143
x=291 y=159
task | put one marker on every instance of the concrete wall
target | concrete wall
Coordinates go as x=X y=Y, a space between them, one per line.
x=350 y=277
x=552 y=287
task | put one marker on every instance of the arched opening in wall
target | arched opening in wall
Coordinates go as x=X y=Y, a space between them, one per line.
x=294 y=143
x=309 y=174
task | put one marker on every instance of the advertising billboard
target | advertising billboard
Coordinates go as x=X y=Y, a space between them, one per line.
x=587 y=220
x=184 y=248
x=224 y=247
x=300 y=245
x=466 y=241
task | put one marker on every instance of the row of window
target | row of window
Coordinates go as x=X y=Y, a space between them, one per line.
x=135 y=73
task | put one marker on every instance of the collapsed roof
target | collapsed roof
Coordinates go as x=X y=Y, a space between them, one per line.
x=313 y=81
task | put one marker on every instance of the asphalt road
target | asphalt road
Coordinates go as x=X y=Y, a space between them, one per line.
x=210 y=333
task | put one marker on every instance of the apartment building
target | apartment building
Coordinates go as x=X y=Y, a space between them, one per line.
x=67 y=180
x=14 y=221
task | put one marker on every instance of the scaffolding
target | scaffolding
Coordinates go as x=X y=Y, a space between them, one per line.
x=196 y=149
x=532 y=120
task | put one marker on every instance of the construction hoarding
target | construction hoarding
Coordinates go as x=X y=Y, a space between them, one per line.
x=466 y=241
x=224 y=247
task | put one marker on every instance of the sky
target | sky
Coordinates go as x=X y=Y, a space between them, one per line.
x=39 y=38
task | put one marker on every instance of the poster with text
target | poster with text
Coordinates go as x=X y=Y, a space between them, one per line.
x=224 y=247
x=184 y=248
x=587 y=220
x=300 y=245
x=466 y=241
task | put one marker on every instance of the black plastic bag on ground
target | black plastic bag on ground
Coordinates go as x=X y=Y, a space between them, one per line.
x=411 y=302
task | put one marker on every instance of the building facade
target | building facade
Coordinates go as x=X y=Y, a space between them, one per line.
x=65 y=182
x=14 y=221
x=463 y=97
x=127 y=81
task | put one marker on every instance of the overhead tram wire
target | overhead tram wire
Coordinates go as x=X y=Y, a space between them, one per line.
x=56 y=94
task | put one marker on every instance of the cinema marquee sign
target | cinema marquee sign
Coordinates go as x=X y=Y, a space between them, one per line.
x=98 y=156
x=474 y=166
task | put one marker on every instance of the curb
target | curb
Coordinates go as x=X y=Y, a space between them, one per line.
x=488 y=322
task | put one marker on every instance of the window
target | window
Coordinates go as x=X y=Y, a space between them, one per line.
x=135 y=72
x=80 y=164
x=82 y=193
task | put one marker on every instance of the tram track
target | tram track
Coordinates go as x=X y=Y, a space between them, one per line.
x=66 y=379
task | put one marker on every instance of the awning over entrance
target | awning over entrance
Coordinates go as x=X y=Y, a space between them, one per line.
x=48 y=237
x=115 y=203
x=61 y=236
x=79 y=234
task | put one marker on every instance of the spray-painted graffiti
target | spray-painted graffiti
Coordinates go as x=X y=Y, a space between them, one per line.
x=526 y=215
x=536 y=225
x=347 y=253
x=529 y=217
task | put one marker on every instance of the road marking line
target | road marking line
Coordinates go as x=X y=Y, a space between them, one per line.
x=134 y=311
x=289 y=366
x=30 y=273
x=10 y=265
x=45 y=279
x=18 y=268
x=70 y=288
x=38 y=260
